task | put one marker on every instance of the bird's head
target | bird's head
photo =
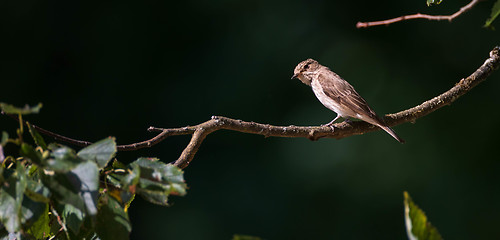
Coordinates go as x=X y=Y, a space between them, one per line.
x=305 y=70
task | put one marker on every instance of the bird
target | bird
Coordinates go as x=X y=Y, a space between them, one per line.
x=338 y=95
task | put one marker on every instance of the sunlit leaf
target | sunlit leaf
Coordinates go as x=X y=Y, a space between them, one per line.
x=158 y=180
x=88 y=174
x=495 y=11
x=417 y=226
x=78 y=187
x=100 y=152
x=112 y=221
x=433 y=2
x=62 y=158
x=73 y=218
x=152 y=168
x=11 y=198
x=10 y=207
x=133 y=176
x=10 y=109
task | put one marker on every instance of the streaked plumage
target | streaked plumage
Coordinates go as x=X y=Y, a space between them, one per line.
x=338 y=95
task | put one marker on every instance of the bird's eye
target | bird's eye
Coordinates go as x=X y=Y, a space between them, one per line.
x=306 y=67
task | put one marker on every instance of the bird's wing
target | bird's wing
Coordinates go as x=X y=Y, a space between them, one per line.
x=343 y=93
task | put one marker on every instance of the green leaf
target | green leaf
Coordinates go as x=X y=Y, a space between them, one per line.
x=37 y=137
x=417 y=226
x=495 y=11
x=10 y=109
x=245 y=237
x=62 y=158
x=63 y=190
x=133 y=176
x=37 y=192
x=73 y=218
x=78 y=187
x=41 y=228
x=88 y=173
x=123 y=183
x=100 y=152
x=29 y=152
x=123 y=176
x=31 y=211
x=112 y=220
x=11 y=198
x=158 y=180
x=5 y=138
x=433 y=2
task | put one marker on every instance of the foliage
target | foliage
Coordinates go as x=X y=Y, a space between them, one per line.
x=245 y=237
x=433 y=2
x=417 y=226
x=495 y=11
x=54 y=191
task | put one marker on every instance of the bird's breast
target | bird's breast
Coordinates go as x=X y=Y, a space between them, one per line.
x=327 y=101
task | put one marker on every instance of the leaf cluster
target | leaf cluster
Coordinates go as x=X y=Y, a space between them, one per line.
x=52 y=191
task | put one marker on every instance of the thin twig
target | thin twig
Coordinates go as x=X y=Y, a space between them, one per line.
x=419 y=15
x=342 y=130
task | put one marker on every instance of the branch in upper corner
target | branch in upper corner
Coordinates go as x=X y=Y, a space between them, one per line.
x=418 y=15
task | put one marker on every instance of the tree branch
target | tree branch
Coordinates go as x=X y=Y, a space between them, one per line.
x=419 y=15
x=342 y=130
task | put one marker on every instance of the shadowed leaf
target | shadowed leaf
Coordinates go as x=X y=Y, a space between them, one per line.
x=39 y=141
x=29 y=152
x=5 y=137
x=112 y=220
x=41 y=229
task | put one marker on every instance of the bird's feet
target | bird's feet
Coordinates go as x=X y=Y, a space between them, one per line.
x=330 y=124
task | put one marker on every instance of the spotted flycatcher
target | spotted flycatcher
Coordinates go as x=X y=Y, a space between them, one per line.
x=338 y=95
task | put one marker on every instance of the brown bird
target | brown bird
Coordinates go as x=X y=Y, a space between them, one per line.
x=338 y=95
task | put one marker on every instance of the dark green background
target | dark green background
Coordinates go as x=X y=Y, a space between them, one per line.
x=117 y=67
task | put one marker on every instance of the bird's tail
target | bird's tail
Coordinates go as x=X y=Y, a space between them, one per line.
x=392 y=133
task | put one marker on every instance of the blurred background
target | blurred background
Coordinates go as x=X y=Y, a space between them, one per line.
x=114 y=68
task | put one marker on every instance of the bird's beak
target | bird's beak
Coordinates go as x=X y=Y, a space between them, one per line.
x=294 y=76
